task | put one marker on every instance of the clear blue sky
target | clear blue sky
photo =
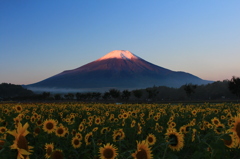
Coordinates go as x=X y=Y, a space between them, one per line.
x=39 y=39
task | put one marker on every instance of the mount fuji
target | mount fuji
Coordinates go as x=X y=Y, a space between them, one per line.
x=118 y=69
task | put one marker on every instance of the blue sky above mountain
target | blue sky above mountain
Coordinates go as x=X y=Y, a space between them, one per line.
x=42 y=38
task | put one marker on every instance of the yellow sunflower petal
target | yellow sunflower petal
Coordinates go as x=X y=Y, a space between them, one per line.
x=13 y=133
x=24 y=152
x=14 y=146
x=19 y=127
x=29 y=148
x=23 y=130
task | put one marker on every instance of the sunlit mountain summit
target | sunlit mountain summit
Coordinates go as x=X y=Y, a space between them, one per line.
x=119 y=69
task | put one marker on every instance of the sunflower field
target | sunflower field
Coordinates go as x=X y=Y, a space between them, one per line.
x=123 y=131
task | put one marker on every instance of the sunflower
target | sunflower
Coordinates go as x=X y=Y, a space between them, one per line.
x=233 y=140
x=99 y=142
x=90 y=118
x=108 y=151
x=81 y=127
x=39 y=122
x=123 y=122
x=49 y=126
x=3 y=129
x=20 y=143
x=37 y=130
x=76 y=142
x=219 y=128
x=230 y=122
x=61 y=131
x=118 y=135
x=158 y=128
x=139 y=128
x=73 y=132
x=107 y=113
x=210 y=126
x=79 y=136
x=194 y=112
x=32 y=119
x=151 y=139
x=194 y=132
x=156 y=118
x=223 y=117
x=215 y=121
x=192 y=122
x=104 y=130
x=16 y=121
x=134 y=114
x=172 y=124
x=5 y=111
x=111 y=119
x=49 y=149
x=90 y=123
x=175 y=139
x=27 y=117
x=133 y=123
x=51 y=111
x=88 y=138
x=185 y=129
x=57 y=154
x=229 y=116
x=143 y=151
x=125 y=115
x=98 y=120
x=18 y=108
x=95 y=129
x=236 y=126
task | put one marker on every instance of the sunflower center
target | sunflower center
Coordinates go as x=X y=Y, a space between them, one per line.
x=39 y=122
x=118 y=137
x=57 y=155
x=76 y=142
x=227 y=142
x=89 y=138
x=22 y=142
x=60 y=131
x=173 y=139
x=104 y=131
x=238 y=129
x=150 y=139
x=2 y=130
x=49 y=126
x=37 y=130
x=97 y=121
x=142 y=154
x=215 y=122
x=108 y=153
x=219 y=129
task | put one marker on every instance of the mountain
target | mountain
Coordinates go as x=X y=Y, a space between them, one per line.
x=119 y=69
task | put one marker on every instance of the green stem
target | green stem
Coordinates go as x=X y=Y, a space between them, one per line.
x=165 y=151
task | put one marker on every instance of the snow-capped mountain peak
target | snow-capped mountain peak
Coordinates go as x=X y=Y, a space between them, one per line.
x=119 y=54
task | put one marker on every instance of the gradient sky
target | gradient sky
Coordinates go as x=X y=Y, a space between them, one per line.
x=39 y=39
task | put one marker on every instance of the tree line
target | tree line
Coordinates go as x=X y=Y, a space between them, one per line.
x=219 y=90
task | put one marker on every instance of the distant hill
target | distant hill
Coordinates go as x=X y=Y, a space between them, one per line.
x=10 y=90
x=118 y=69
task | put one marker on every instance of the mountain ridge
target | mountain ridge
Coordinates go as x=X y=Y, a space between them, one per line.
x=118 y=69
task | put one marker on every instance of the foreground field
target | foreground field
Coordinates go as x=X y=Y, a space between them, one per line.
x=107 y=131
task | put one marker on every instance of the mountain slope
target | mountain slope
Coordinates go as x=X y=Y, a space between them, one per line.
x=118 y=69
